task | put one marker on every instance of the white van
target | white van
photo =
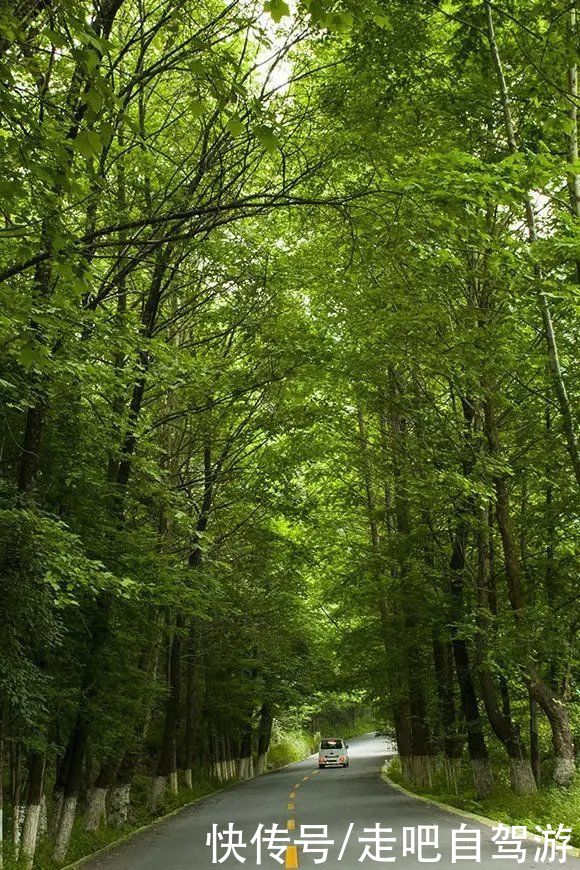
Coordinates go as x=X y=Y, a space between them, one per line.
x=333 y=752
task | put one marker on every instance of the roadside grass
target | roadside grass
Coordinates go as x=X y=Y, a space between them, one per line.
x=291 y=746
x=550 y=805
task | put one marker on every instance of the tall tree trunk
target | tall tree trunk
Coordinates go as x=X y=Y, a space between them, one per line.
x=535 y=740
x=30 y=828
x=558 y=382
x=504 y=728
x=195 y=695
x=166 y=774
x=421 y=761
x=96 y=812
x=572 y=96
x=264 y=735
x=551 y=703
x=478 y=754
x=79 y=739
x=444 y=675
x=245 y=751
x=1 y=787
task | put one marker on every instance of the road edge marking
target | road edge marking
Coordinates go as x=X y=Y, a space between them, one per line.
x=573 y=851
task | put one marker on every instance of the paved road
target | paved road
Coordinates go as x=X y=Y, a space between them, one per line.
x=338 y=799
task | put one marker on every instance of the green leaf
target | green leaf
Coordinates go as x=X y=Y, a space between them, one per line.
x=29 y=357
x=339 y=22
x=88 y=143
x=197 y=108
x=235 y=125
x=277 y=9
x=267 y=138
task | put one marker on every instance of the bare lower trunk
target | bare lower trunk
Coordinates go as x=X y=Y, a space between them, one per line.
x=30 y=834
x=65 y=827
x=188 y=778
x=119 y=802
x=451 y=768
x=261 y=763
x=32 y=817
x=43 y=822
x=96 y=808
x=406 y=767
x=564 y=770
x=173 y=782
x=77 y=748
x=521 y=776
x=58 y=798
x=421 y=767
x=17 y=822
x=482 y=777
x=158 y=787
x=535 y=741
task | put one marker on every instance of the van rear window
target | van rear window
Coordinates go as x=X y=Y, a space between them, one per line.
x=331 y=744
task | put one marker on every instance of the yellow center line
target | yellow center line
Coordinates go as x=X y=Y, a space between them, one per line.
x=291 y=858
x=296 y=785
x=304 y=778
x=292 y=794
x=290 y=806
x=291 y=824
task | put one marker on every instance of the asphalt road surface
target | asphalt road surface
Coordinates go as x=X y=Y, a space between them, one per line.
x=344 y=801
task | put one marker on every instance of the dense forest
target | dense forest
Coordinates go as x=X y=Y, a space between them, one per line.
x=289 y=387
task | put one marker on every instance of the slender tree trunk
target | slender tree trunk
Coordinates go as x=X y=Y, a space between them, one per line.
x=166 y=767
x=264 y=735
x=1 y=787
x=551 y=703
x=478 y=754
x=96 y=813
x=558 y=382
x=402 y=723
x=79 y=740
x=16 y=789
x=195 y=695
x=451 y=742
x=506 y=731
x=120 y=791
x=31 y=825
x=535 y=740
x=245 y=751
x=573 y=177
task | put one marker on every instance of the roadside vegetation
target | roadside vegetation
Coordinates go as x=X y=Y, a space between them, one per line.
x=288 y=400
x=549 y=805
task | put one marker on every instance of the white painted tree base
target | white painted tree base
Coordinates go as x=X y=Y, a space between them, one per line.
x=157 y=792
x=119 y=803
x=261 y=763
x=482 y=777
x=96 y=808
x=522 y=776
x=65 y=826
x=564 y=771
x=29 y=837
